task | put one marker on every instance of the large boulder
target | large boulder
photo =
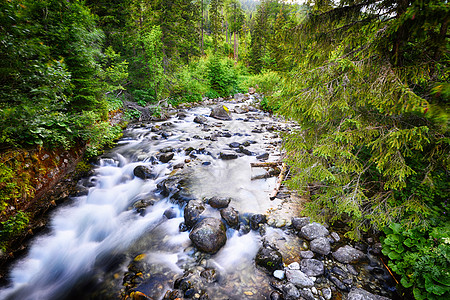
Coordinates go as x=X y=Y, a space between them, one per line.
x=269 y=258
x=348 y=254
x=320 y=245
x=209 y=235
x=221 y=112
x=192 y=212
x=313 y=231
x=144 y=172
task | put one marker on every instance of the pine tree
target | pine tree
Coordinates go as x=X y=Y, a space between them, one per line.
x=374 y=126
x=216 y=19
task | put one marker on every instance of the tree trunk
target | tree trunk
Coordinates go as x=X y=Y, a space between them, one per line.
x=201 y=46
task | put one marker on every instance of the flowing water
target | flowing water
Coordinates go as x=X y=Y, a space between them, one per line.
x=93 y=239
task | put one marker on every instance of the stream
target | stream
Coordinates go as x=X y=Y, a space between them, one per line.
x=124 y=236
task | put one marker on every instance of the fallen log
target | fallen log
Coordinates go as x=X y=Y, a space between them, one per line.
x=281 y=177
x=265 y=164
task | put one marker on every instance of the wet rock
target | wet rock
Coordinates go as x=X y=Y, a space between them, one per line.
x=183 y=227
x=360 y=294
x=244 y=229
x=227 y=155
x=298 y=223
x=306 y=294
x=166 y=150
x=170 y=213
x=200 y=119
x=290 y=292
x=209 y=235
x=218 y=202
x=298 y=278
x=231 y=216
x=320 y=245
x=348 y=254
x=326 y=292
x=313 y=231
x=338 y=271
x=143 y=172
x=335 y=236
x=239 y=97
x=269 y=259
x=234 y=145
x=210 y=275
x=166 y=157
x=221 y=112
x=246 y=151
x=276 y=296
x=279 y=274
x=294 y=266
x=182 y=115
x=192 y=212
x=352 y=270
x=312 y=267
x=306 y=254
x=263 y=156
x=256 y=220
x=339 y=284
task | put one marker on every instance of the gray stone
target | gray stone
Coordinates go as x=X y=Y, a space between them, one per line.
x=307 y=254
x=294 y=266
x=227 y=155
x=348 y=254
x=339 y=284
x=192 y=212
x=360 y=294
x=221 y=112
x=298 y=278
x=335 y=236
x=218 y=202
x=143 y=172
x=326 y=292
x=269 y=258
x=200 y=119
x=298 y=223
x=166 y=157
x=352 y=270
x=290 y=292
x=231 y=216
x=320 y=245
x=313 y=231
x=279 y=274
x=209 y=235
x=306 y=294
x=312 y=267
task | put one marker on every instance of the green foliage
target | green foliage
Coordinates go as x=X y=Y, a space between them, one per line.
x=421 y=258
x=222 y=76
x=14 y=226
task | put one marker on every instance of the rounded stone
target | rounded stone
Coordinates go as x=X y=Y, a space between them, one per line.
x=209 y=235
x=313 y=231
x=320 y=245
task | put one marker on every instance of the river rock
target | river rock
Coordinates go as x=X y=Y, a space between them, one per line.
x=313 y=231
x=298 y=278
x=360 y=294
x=218 y=202
x=239 y=97
x=279 y=274
x=166 y=157
x=221 y=112
x=306 y=254
x=320 y=245
x=326 y=292
x=231 y=216
x=227 y=155
x=200 y=119
x=192 y=212
x=348 y=254
x=312 y=267
x=306 y=294
x=143 y=172
x=298 y=223
x=170 y=213
x=209 y=235
x=290 y=292
x=269 y=258
x=257 y=219
x=263 y=156
x=339 y=284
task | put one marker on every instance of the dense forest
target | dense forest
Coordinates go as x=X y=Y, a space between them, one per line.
x=367 y=80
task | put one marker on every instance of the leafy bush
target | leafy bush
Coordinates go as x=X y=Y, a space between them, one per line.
x=142 y=97
x=421 y=258
x=12 y=227
x=222 y=76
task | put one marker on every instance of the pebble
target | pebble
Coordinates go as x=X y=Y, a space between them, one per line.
x=279 y=274
x=294 y=266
